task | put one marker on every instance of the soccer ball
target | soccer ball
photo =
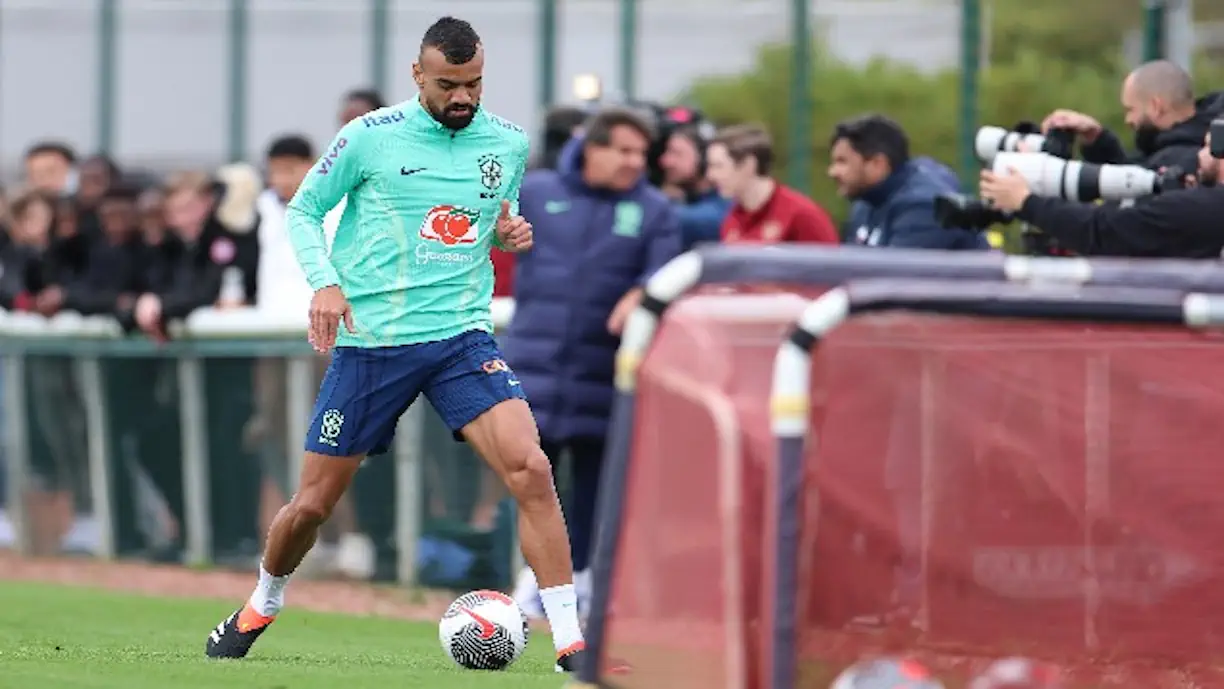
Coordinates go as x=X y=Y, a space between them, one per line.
x=483 y=630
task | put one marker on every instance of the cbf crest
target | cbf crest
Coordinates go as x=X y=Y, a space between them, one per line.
x=490 y=172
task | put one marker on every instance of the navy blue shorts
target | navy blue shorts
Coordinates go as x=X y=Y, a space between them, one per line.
x=366 y=390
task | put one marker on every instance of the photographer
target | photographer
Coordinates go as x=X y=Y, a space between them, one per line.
x=894 y=196
x=699 y=206
x=1183 y=223
x=1160 y=106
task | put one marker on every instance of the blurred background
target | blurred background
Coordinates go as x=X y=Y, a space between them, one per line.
x=122 y=446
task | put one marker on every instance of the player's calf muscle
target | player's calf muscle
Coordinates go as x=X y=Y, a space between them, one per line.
x=323 y=482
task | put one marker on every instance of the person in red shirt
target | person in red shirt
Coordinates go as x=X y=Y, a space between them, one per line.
x=739 y=162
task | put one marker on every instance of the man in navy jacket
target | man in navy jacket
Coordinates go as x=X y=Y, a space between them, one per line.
x=601 y=230
x=894 y=196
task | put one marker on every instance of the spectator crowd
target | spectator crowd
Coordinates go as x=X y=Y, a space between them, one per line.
x=85 y=235
x=615 y=193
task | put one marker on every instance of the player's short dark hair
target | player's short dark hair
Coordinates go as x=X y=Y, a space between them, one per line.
x=598 y=129
x=454 y=38
x=370 y=97
x=744 y=141
x=58 y=148
x=292 y=146
x=874 y=135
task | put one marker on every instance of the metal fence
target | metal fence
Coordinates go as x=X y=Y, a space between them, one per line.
x=163 y=83
x=171 y=83
x=125 y=448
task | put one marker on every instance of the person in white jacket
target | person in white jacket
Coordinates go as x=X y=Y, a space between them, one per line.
x=284 y=297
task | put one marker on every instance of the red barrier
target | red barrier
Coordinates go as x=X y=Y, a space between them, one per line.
x=984 y=488
x=994 y=488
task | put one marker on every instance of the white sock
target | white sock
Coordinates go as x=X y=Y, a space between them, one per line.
x=269 y=595
x=561 y=607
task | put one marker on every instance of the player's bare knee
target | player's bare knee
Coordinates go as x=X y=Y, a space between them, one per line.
x=530 y=477
x=311 y=507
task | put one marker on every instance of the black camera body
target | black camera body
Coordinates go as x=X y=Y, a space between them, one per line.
x=1217 y=138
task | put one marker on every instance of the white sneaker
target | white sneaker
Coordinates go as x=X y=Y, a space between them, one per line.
x=527 y=594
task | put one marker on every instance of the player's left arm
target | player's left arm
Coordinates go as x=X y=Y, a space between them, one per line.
x=341 y=169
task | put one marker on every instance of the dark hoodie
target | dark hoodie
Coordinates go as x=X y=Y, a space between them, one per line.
x=1177 y=146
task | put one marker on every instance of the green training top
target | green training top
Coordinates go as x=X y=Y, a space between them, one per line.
x=411 y=251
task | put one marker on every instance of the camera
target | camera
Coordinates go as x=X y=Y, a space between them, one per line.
x=1050 y=176
x=1075 y=180
x=991 y=141
x=954 y=210
x=1217 y=138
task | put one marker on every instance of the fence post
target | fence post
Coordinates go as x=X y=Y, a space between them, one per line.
x=628 y=49
x=547 y=55
x=799 y=158
x=1179 y=32
x=380 y=44
x=971 y=69
x=237 y=79
x=1154 y=46
x=107 y=27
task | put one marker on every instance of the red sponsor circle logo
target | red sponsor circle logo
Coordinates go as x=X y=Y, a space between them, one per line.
x=451 y=225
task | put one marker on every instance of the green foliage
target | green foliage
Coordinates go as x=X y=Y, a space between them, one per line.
x=1047 y=54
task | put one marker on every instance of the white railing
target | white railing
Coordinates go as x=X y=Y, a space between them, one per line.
x=89 y=339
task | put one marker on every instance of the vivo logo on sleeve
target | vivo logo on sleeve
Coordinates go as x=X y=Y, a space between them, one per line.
x=329 y=160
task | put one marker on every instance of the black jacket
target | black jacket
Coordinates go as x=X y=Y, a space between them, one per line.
x=1178 y=146
x=1177 y=224
x=160 y=262
x=22 y=270
x=195 y=278
x=114 y=270
x=67 y=260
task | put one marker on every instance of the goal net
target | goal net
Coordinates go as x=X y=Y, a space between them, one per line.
x=972 y=488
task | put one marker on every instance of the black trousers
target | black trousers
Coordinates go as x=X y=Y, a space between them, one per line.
x=578 y=502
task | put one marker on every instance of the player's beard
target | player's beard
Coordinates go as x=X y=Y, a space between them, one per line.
x=451 y=120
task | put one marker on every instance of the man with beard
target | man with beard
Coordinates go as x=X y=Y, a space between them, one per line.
x=699 y=207
x=432 y=183
x=893 y=193
x=1169 y=123
x=1176 y=224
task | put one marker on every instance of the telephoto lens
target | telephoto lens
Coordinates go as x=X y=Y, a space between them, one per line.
x=1023 y=138
x=1075 y=180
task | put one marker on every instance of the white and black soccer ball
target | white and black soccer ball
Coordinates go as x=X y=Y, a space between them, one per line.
x=483 y=630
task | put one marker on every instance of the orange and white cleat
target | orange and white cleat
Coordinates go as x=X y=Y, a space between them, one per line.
x=236 y=634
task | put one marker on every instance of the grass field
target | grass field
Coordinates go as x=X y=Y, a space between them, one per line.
x=55 y=637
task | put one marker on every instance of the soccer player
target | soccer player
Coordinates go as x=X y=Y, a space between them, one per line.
x=404 y=297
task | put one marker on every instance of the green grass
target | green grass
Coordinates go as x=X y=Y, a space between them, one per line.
x=54 y=637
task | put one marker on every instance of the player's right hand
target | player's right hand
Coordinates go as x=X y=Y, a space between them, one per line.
x=327 y=307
